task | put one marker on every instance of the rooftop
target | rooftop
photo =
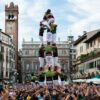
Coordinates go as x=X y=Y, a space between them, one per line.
x=87 y=36
x=5 y=33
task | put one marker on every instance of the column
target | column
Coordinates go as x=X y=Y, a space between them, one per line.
x=32 y=67
x=22 y=70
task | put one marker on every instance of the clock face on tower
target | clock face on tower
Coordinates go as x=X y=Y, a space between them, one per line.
x=10 y=27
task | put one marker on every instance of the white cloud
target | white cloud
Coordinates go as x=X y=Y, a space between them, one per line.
x=72 y=19
x=89 y=9
x=1 y=20
x=36 y=11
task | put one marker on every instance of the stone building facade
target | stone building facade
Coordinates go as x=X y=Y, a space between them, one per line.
x=29 y=58
x=7 y=56
x=88 y=54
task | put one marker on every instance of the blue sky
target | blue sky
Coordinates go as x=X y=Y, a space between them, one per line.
x=72 y=16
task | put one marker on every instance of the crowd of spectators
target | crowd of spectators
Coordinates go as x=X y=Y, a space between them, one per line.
x=35 y=91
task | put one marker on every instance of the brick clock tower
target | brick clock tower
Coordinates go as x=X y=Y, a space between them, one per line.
x=11 y=26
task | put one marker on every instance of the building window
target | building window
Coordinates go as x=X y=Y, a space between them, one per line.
x=99 y=39
x=71 y=51
x=6 y=73
x=7 y=51
x=87 y=45
x=95 y=64
x=87 y=66
x=7 y=55
x=64 y=51
x=98 y=62
x=90 y=44
x=81 y=49
x=2 y=49
x=94 y=42
x=36 y=52
x=60 y=52
x=27 y=52
x=91 y=65
x=27 y=66
x=74 y=56
x=74 y=51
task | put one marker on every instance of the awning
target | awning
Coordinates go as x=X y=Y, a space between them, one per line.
x=80 y=80
x=94 y=80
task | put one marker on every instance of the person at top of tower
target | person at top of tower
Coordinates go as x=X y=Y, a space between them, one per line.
x=41 y=56
x=49 y=17
x=48 y=14
x=41 y=31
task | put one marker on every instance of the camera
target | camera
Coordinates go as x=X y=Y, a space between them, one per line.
x=91 y=83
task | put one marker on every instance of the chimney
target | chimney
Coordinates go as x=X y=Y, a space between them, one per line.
x=84 y=32
x=31 y=39
x=70 y=38
x=59 y=40
x=23 y=40
x=79 y=36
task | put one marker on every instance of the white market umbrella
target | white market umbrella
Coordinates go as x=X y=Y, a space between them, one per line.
x=94 y=80
x=80 y=80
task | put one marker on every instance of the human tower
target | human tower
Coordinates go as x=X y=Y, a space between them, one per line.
x=48 y=53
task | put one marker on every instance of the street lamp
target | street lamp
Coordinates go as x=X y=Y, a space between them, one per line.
x=15 y=75
x=69 y=63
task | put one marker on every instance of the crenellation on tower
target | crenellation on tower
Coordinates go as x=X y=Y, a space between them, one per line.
x=11 y=7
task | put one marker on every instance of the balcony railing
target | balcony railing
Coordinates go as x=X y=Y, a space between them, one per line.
x=88 y=56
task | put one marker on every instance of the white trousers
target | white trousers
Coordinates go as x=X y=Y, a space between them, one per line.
x=49 y=61
x=55 y=82
x=55 y=59
x=51 y=20
x=41 y=39
x=54 y=38
x=41 y=83
x=63 y=83
x=41 y=60
x=49 y=37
